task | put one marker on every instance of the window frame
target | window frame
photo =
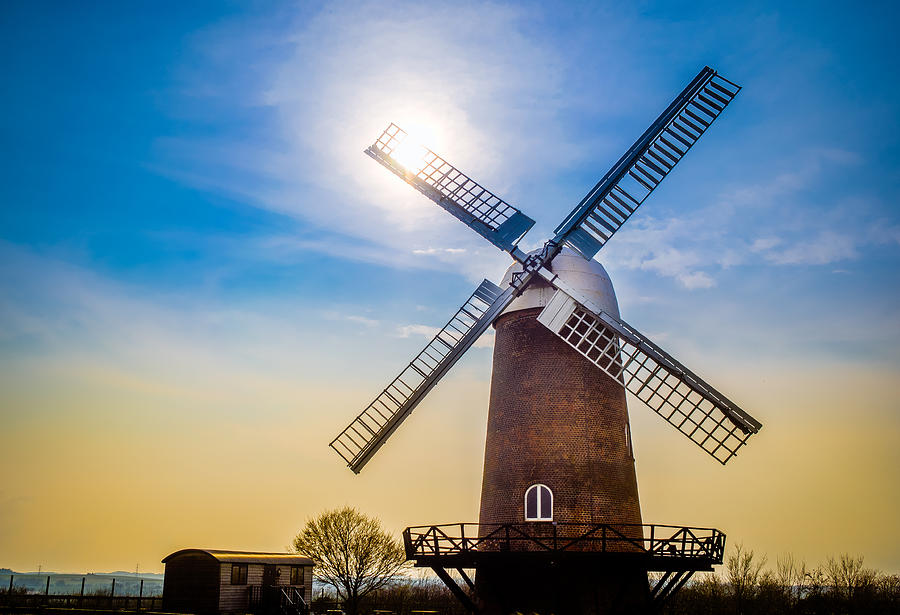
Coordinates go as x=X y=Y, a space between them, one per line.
x=298 y=570
x=541 y=514
x=240 y=578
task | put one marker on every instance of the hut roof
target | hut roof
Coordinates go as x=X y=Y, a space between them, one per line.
x=245 y=557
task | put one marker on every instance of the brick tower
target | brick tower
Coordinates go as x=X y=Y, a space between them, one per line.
x=553 y=419
x=557 y=424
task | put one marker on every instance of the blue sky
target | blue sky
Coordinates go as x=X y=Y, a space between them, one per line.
x=193 y=249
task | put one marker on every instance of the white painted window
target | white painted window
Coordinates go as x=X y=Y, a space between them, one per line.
x=538 y=503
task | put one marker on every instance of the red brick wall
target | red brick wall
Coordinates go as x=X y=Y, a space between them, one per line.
x=554 y=419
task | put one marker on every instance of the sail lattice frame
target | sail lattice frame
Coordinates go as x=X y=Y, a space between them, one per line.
x=647 y=162
x=685 y=401
x=369 y=430
x=476 y=206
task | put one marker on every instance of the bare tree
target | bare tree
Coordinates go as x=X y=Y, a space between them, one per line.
x=352 y=553
x=743 y=574
x=790 y=576
x=847 y=575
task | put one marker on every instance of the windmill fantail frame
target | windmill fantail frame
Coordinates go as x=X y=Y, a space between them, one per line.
x=620 y=351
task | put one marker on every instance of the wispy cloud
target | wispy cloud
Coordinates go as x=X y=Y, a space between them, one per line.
x=417 y=330
x=428 y=332
x=440 y=251
x=59 y=312
x=354 y=318
x=825 y=248
x=693 y=247
x=340 y=77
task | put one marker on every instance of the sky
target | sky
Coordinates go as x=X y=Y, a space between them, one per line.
x=203 y=279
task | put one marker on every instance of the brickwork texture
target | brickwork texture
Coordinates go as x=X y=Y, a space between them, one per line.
x=554 y=419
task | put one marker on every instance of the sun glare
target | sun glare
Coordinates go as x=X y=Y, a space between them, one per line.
x=411 y=155
x=411 y=152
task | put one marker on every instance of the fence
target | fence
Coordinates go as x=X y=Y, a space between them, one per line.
x=27 y=596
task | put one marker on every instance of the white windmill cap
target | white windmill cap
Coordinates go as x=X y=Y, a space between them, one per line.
x=587 y=276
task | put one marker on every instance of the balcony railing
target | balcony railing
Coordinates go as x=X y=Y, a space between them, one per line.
x=659 y=543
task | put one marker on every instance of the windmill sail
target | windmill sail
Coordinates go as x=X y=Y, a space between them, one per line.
x=371 y=428
x=476 y=206
x=683 y=399
x=631 y=180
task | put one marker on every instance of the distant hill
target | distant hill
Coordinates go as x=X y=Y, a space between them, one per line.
x=148 y=576
x=140 y=575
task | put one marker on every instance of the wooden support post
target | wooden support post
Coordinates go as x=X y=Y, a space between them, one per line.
x=466 y=578
x=660 y=584
x=11 y=576
x=81 y=597
x=47 y=589
x=112 y=592
x=676 y=584
x=456 y=590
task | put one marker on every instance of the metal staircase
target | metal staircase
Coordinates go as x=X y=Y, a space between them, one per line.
x=291 y=602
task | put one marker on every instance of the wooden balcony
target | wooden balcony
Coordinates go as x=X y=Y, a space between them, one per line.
x=652 y=547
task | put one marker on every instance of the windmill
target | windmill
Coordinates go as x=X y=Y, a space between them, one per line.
x=560 y=527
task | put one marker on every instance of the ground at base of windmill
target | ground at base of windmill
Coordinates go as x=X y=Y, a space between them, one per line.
x=750 y=583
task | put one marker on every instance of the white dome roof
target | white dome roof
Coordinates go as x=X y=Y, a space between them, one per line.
x=587 y=276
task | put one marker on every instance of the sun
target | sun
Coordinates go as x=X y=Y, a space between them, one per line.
x=410 y=154
x=421 y=134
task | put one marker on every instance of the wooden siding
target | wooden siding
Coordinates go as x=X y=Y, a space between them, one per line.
x=237 y=597
x=284 y=578
x=234 y=598
x=308 y=578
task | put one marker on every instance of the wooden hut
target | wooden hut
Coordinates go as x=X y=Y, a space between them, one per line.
x=216 y=581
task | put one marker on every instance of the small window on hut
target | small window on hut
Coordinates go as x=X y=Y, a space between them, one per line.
x=539 y=503
x=239 y=574
x=296 y=575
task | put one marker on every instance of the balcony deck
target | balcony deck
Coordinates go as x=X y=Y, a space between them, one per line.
x=661 y=548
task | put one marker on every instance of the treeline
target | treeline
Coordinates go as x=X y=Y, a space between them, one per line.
x=745 y=585
x=400 y=598
x=748 y=586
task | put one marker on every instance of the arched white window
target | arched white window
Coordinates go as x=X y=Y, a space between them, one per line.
x=538 y=503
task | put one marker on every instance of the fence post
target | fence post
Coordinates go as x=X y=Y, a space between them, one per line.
x=140 y=594
x=10 y=584
x=112 y=592
x=81 y=597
